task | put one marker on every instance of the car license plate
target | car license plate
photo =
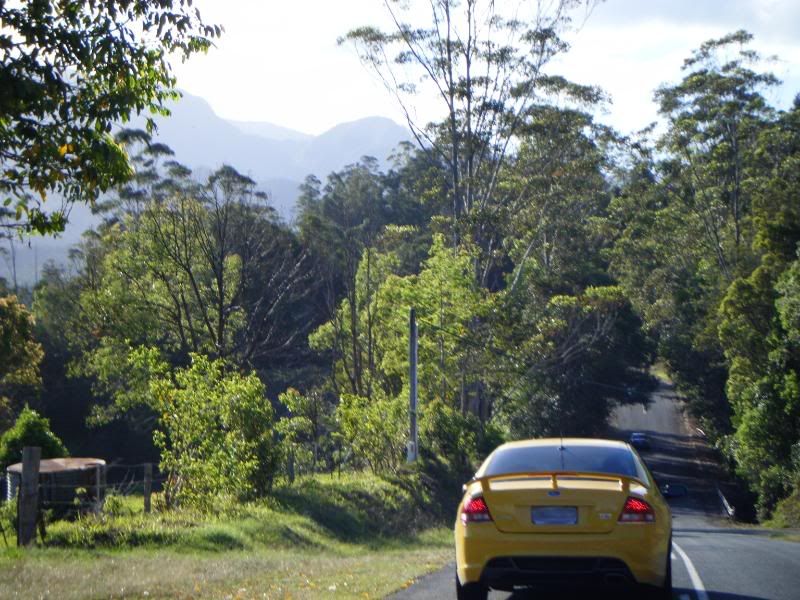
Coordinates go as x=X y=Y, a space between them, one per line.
x=554 y=515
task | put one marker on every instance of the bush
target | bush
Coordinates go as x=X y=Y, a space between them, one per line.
x=214 y=432
x=774 y=485
x=305 y=431
x=375 y=430
x=448 y=433
x=787 y=512
x=30 y=429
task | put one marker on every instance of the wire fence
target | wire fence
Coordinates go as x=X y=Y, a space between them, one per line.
x=42 y=491
x=85 y=490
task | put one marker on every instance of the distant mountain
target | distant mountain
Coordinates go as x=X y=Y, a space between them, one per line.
x=270 y=131
x=272 y=155
x=348 y=142
x=276 y=157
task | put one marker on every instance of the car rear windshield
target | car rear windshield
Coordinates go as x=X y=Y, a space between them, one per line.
x=610 y=460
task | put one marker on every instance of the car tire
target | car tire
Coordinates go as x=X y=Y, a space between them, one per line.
x=471 y=591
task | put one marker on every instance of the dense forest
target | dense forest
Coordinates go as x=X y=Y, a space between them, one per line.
x=551 y=261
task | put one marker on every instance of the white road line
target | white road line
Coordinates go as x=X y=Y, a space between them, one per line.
x=697 y=583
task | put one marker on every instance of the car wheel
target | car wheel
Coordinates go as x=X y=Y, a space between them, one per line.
x=471 y=591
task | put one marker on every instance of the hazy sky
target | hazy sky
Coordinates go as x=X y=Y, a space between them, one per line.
x=279 y=61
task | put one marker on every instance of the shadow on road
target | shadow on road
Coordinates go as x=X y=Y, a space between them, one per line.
x=617 y=595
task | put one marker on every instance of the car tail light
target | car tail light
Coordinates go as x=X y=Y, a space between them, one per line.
x=637 y=511
x=475 y=511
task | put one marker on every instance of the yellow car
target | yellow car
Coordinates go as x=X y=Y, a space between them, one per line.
x=562 y=512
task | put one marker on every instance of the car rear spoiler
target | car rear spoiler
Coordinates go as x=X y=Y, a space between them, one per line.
x=625 y=481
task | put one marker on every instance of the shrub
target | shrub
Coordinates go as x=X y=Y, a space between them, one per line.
x=787 y=512
x=774 y=485
x=214 y=432
x=305 y=430
x=375 y=430
x=30 y=429
x=450 y=434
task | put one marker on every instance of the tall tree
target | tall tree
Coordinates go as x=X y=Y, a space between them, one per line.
x=341 y=224
x=759 y=327
x=715 y=115
x=685 y=214
x=557 y=191
x=484 y=63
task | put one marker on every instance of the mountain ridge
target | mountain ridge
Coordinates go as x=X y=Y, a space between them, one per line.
x=204 y=141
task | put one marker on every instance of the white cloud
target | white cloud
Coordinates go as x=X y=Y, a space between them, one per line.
x=280 y=62
x=631 y=61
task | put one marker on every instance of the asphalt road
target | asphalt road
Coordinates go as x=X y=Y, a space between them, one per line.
x=711 y=558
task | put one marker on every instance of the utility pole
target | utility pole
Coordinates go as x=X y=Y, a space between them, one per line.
x=413 y=442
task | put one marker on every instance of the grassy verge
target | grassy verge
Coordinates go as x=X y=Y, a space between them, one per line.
x=786 y=537
x=351 y=537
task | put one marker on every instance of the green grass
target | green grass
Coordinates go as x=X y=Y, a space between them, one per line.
x=354 y=536
x=786 y=537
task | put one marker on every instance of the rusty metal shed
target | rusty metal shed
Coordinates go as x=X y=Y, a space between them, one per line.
x=60 y=478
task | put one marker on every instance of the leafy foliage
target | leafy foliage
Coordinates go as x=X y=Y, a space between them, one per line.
x=759 y=330
x=214 y=430
x=485 y=78
x=549 y=260
x=20 y=354
x=69 y=70
x=30 y=429
x=374 y=430
x=707 y=253
x=305 y=429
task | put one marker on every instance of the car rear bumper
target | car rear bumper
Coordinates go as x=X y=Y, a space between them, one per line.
x=630 y=554
x=504 y=573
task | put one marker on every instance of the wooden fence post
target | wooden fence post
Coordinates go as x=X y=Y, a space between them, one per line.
x=97 y=488
x=148 y=485
x=28 y=499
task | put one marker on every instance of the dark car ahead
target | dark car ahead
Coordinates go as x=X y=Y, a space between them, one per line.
x=640 y=441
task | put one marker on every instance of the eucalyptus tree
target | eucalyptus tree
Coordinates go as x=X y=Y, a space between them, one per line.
x=714 y=117
x=342 y=224
x=685 y=213
x=558 y=191
x=484 y=63
x=185 y=266
x=370 y=374
x=759 y=326
x=571 y=343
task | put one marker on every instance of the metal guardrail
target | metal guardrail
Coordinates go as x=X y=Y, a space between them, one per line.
x=729 y=510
